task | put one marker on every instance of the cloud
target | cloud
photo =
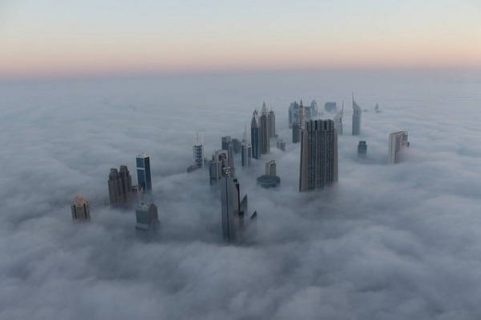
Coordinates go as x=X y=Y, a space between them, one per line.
x=388 y=242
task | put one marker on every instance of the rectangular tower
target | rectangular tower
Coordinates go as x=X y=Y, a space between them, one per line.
x=397 y=142
x=144 y=179
x=356 y=118
x=318 y=161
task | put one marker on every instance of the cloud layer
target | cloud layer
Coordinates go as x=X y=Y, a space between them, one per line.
x=389 y=242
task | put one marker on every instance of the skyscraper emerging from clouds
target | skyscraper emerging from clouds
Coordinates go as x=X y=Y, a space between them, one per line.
x=233 y=209
x=147 y=217
x=397 y=142
x=318 y=163
x=220 y=160
x=271 y=120
x=144 y=179
x=338 y=120
x=264 y=130
x=80 y=209
x=246 y=151
x=356 y=118
x=255 y=136
x=120 y=187
x=198 y=152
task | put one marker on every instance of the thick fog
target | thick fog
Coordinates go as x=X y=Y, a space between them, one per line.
x=388 y=242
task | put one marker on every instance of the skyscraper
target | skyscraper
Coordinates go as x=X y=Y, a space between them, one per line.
x=271 y=168
x=397 y=142
x=143 y=173
x=281 y=144
x=264 y=131
x=228 y=146
x=296 y=131
x=220 y=160
x=198 y=152
x=318 y=167
x=255 y=137
x=147 y=217
x=233 y=209
x=338 y=120
x=356 y=118
x=226 y=142
x=120 y=187
x=246 y=154
x=271 y=120
x=80 y=209
x=310 y=112
x=362 y=149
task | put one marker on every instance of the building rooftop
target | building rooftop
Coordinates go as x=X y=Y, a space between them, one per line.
x=266 y=181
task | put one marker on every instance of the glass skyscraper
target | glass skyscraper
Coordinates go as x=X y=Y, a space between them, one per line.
x=143 y=172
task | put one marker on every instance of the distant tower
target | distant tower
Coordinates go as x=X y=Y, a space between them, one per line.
x=264 y=131
x=319 y=165
x=271 y=168
x=281 y=144
x=227 y=145
x=198 y=152
x=330 y=107
x=220 y=160
x=338 y=120
x=246 y=151
x=302 y=119
x=271 y=119
x=147 y=217
x=80 y=209
x=144 y=179
x=362 y=149
x=120 y=187
x=356 y=118
x=296 y=130
x=397 y=142
x=255 y=137
x=236 y=145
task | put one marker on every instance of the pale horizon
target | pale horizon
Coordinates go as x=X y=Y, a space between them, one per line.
x=66 y=39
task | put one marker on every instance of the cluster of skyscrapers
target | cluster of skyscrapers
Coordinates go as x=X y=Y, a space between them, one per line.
x=318 y=166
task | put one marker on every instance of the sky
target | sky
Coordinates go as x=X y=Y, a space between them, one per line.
x=53 y=37
x=387 y=242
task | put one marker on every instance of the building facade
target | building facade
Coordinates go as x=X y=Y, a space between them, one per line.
x=120 y=187
x=264 y=135
x=144 y=179
x=271 y=168
x=255 y=137
x=80 y=209
x=356 y=118
x=398 y=141
x=319 y=158
x=271 y=119
x=147 y=217
x=220 y=160
x=362 y=149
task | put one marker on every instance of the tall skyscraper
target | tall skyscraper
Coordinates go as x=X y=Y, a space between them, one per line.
x=271 y=168
x=226 y=142
x=356 y=118
x=319 y=164
x=220 y=160
x=255 y=137
x=362 y=149
x=310 y=112
x=120 y=187
x=397 y=142
x=338 y=120
x=296 y=133
x=147 y=217
x=233 y=209
x=264 y=131
x=198 y=152
x=228 y=146
x=144 y=180
x=246 y=154
x=271 y=120
x=80 y=209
